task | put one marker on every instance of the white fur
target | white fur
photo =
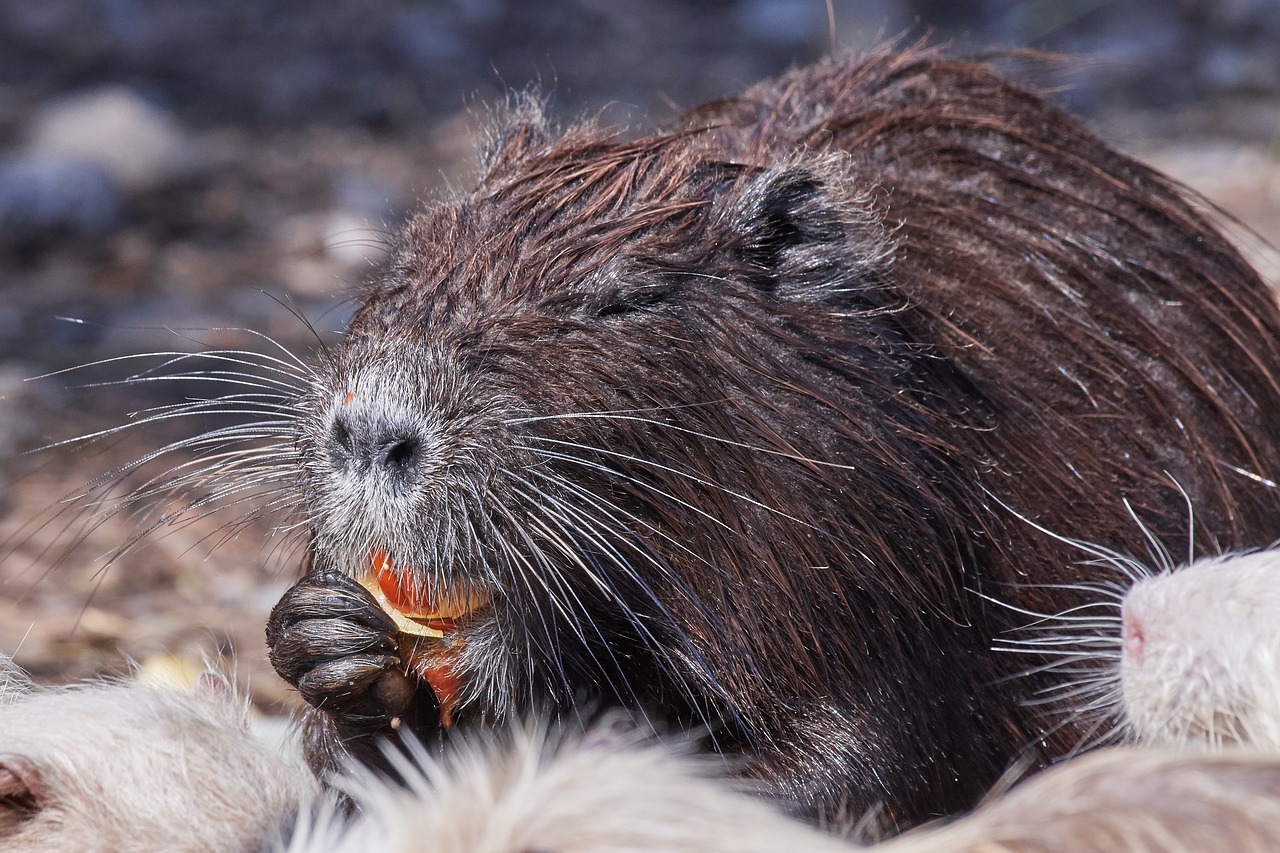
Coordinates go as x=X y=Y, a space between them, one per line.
x=599 y=793
x=1124 y=800
x=602 y=794
x=133 y=768
x=1200 y=653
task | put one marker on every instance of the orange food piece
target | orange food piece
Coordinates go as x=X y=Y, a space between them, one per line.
x=393 y=583
x=416 y=611
x=437 y=670
x=404 y=624
x=419 y=612
x=425 y=604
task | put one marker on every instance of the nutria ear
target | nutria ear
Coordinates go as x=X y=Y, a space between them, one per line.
x=22 y=788
x=801 y=228
x=788 y=209
x=214 y=688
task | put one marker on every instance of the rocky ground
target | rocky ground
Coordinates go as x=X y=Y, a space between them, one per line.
x=173 y=172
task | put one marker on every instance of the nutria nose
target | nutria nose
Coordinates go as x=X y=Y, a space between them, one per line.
x=401 y=455
x=365 y=444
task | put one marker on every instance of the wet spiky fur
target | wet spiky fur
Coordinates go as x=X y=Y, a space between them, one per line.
x=732 y=421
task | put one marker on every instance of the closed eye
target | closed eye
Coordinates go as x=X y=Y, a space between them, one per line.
x=644 y=299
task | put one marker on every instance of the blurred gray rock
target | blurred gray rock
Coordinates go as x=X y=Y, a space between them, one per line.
x=139 y=145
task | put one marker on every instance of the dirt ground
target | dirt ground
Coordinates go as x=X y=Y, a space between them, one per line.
x=262 y=222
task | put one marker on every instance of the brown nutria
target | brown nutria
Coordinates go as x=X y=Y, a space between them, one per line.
x=126 y=766
x=733 y=425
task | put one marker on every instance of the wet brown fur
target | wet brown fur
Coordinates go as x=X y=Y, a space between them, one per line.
x=875 y=310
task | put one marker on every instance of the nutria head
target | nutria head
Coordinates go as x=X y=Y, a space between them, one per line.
x=1198 y=653
x=575 y=391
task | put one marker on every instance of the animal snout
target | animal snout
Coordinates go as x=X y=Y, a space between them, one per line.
x=400 y=454
x=378 y=442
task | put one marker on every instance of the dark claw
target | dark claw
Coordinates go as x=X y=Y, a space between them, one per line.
x=329 y=638
x=394 y=692
x=331 y=742
x=307 y=642
x=342 y=684
x=327 y=595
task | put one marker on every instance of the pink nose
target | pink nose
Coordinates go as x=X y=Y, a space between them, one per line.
x=1134 y=635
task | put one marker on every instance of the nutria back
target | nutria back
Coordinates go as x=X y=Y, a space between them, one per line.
x=1150 y=800
x=735 y=424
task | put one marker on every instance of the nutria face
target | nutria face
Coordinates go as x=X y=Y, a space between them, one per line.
x=570 y=398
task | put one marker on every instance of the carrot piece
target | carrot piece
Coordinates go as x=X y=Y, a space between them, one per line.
x=396 y=586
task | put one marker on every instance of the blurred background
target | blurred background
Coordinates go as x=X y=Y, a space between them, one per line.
x=174 y=170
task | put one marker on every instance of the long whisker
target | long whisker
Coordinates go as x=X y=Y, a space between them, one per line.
x=242 y=470
x=596 y=466
x=600 y=533
x=626 y=457
x=631 y=415
x=569 y=548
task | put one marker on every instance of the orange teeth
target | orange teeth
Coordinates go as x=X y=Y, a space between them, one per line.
x=423 y=613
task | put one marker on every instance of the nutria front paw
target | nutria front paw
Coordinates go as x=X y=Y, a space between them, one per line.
x=328 y=637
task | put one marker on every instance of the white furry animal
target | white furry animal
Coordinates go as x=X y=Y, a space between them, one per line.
x=124 y=767
x=1200 y=653
x=1165 y=654
x=1124 y=800
x=605 y=793
x=601 y=792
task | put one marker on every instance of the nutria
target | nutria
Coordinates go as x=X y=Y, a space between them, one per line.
x=528 y=788
x=126 y=766
x=1170 y=656
x=736 y=425
x=1199 y=657
x=1170 y=651
x=1123 y=800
